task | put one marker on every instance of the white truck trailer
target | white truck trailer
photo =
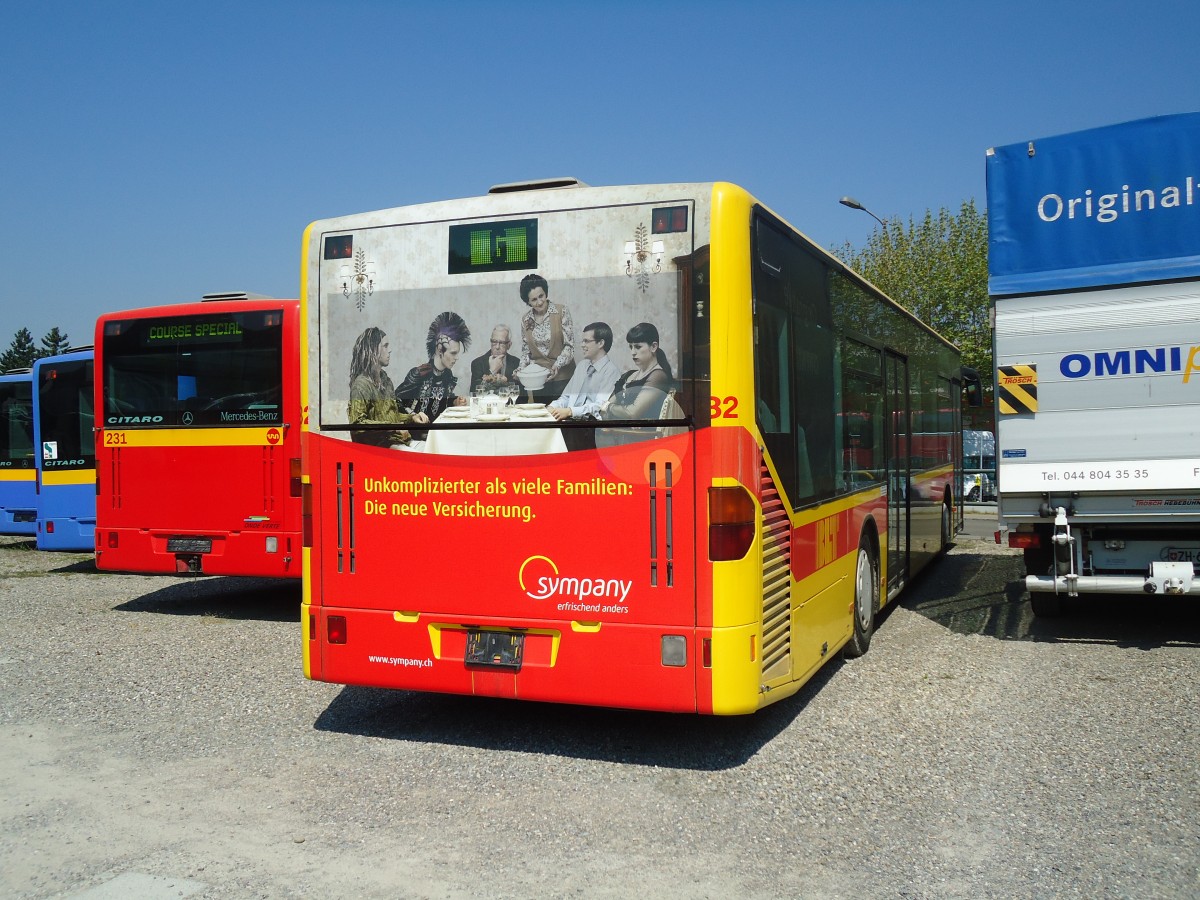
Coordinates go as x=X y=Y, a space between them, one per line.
x=1094 y=273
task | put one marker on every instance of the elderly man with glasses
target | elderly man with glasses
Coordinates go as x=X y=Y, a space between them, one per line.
x=495 y=367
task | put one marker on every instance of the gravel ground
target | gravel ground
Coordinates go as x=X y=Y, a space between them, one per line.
x=157 y=739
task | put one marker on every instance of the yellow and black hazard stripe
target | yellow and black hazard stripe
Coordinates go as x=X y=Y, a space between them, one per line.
x=1016 y=389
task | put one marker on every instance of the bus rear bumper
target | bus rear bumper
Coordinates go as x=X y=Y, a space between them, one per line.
x=65 y=533
x=14 y=520
x=256 y=554
x=606 y=664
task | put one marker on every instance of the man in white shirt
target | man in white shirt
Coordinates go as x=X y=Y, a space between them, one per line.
x=593 y=379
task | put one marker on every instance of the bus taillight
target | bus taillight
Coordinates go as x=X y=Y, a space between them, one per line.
x=336 y=629
x=295 y=484
x=731 y=522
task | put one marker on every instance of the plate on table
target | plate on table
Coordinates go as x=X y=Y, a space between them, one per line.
x=539 y=413
x=457 y=412
x=524 y=406
x=492 y=417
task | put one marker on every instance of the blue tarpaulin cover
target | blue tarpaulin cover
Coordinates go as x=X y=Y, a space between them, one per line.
x=1107 y=206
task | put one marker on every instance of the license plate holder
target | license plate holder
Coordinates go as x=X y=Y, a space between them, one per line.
x=189 y=545
x=495 y=649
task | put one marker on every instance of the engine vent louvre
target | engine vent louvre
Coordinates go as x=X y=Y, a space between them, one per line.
x=777 y=581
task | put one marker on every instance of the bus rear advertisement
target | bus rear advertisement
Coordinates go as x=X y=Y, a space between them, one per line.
x=641 y=447
x=199 y=447
x=65 y=450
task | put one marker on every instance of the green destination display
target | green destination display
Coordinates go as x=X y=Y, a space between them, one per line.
x=191 y=331
x=493 y=246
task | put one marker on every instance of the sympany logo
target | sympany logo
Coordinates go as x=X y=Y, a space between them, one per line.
x=540 y=579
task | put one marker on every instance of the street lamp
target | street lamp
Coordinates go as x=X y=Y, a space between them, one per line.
x=854 y=204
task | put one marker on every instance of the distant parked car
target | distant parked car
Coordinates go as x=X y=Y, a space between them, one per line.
x=978 y=486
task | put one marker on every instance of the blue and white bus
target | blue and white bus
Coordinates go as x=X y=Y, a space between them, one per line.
x=18 y=498
x=65 y=450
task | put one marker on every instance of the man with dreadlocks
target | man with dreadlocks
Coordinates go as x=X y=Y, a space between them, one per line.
x=429 y=387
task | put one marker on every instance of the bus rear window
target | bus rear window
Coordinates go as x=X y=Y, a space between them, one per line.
x=194 y=371
x=65 y=413
x=16 y=424
x=587 y=315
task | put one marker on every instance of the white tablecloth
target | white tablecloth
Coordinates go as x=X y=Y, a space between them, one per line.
x=493 y=441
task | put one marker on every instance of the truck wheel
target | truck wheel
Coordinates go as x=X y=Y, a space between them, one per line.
x=866 y=601
x=1039 y=561
x=1046 y=606
x=974 y=494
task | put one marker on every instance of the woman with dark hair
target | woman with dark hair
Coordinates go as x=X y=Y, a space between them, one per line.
x=640 y=392
x=372 y=397
x=547 y=336
x=429 y=387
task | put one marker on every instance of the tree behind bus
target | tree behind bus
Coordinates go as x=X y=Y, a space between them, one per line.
x=22 y=352
x=936 y=268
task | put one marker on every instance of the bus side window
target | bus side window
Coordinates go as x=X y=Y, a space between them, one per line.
x=774 y=373
x=773 y=408
x=795 y=359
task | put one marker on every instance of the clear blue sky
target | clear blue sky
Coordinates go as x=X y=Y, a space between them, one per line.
x=156 y=151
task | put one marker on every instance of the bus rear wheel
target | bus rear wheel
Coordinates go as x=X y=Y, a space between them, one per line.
x=866 y=600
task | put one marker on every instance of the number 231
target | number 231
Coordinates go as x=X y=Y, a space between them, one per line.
x=723 y=407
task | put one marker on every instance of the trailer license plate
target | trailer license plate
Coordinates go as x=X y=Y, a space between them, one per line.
x=1181 y=554
x=498 y=649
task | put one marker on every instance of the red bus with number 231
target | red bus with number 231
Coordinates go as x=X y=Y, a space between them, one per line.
x=198 y=454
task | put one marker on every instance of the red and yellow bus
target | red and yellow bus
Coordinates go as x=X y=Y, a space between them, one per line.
x=198 y=450
x=700 y=536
